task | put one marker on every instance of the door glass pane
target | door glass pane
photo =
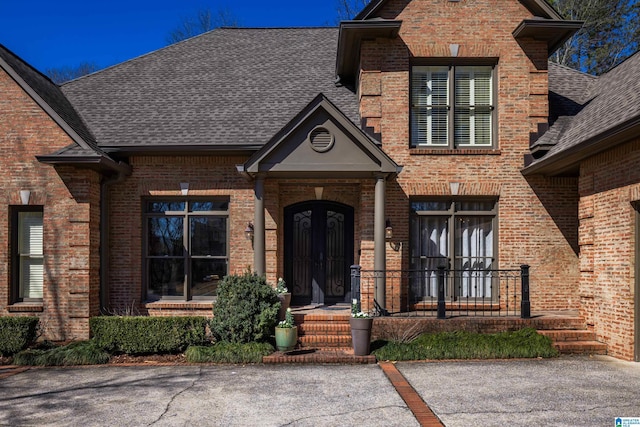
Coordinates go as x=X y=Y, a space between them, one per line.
x=302 y=253
x=165 y=236
x=205 y=276
x=429 y=250
x=208 y=235
x=166 y=277
x=474 y=255
x=335 y=262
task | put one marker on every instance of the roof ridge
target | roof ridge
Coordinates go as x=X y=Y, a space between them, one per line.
x=187 y=40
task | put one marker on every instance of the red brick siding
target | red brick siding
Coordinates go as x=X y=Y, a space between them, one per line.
x=609 y=182
x=70 y=201
x=537 y=218
x=161 y=176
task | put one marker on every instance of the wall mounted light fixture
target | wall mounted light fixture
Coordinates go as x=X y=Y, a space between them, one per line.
x=388 y=235
x=248 y=232
x=388 y=230
x=184 y=188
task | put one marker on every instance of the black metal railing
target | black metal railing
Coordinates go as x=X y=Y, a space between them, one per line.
x=443 y=292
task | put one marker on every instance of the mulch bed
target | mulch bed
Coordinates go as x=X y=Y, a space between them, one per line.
x=151 y=359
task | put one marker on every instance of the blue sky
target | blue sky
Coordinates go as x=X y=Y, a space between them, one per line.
x=51 y=34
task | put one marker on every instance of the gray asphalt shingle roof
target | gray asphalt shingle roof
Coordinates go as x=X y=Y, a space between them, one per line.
x=228 y=87
x=582 y=107
x=52 y=96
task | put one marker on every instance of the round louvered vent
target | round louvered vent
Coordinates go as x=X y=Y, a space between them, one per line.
x=321 y=139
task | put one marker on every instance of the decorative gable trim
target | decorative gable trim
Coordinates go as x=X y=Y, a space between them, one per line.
x=320 y=142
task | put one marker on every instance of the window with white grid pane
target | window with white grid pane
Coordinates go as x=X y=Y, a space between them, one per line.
x=452 y=106
x=27 y=254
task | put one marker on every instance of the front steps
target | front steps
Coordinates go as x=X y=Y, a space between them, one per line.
x=575 y=341
x=327 y=331
x=324 y=335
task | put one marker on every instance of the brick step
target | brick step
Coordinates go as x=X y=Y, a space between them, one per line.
x=581 y=347
x=568 y=335
x=551 y=323
x=325 y=341
x=324 y=328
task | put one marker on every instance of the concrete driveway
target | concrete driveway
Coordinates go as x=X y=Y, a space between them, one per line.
x=566 y=391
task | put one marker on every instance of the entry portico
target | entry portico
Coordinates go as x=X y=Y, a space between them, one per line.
x=320 y=145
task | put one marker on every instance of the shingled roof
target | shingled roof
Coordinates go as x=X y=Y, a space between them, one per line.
x=50 y=98
x=589 y=114
x=230 y=88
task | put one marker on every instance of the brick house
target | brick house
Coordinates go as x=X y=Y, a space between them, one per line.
x=421 y=133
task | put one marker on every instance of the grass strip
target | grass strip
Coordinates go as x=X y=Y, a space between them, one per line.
x=226 y=352
x=525 y=343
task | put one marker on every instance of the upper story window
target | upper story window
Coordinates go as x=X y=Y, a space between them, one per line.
x=27 y=254
x=186 y=247
x=452 y=106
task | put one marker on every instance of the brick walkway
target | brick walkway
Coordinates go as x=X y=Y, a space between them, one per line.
x=420 y=410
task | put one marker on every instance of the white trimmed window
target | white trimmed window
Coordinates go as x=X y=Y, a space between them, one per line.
x=452 y=106
x=28 y=268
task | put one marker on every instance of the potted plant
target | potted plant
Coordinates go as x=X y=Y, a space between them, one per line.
x=285 y=298
x=361 y=324
x=286 y=333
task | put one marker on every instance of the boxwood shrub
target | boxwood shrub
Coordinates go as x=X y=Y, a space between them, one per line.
x=246 y=309
x=16 y=333
x=146 y=335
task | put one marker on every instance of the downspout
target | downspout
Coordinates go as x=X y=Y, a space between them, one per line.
x=104 y=236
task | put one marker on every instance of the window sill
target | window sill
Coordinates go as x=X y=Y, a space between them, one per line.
x=454 y=152
x=25 y=307
x=179 y=305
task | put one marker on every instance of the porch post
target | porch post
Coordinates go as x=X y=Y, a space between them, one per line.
x=379 y=249
x=259 y=257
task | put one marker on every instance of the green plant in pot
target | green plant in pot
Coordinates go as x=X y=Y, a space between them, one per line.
x=286 y=333
x=361 y=324
x=285 y=298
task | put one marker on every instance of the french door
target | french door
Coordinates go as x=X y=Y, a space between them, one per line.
x=318 y=252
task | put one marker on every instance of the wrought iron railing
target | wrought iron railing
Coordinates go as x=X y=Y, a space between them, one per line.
x=443 y=292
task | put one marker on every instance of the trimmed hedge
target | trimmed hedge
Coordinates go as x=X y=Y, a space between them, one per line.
x=146 y=335
x=16 y=333
x=226 y=352
x=76 y=353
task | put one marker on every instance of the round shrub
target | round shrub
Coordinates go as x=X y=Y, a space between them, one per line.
x=246 y=309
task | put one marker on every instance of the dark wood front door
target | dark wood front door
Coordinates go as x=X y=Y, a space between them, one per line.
x=318 y=252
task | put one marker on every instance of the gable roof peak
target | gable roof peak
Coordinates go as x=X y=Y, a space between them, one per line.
x=538 y=8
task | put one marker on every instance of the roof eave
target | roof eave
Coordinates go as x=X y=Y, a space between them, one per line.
x=536 y=7
x=99 y=163
x=351 y=35
x=553 y=32
x=566 y=160
x=172 y=150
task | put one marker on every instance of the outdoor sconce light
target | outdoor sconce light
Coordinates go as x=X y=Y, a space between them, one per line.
x=248 y=232
x=388 y=230
x=24 y=196
x=388 y=235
